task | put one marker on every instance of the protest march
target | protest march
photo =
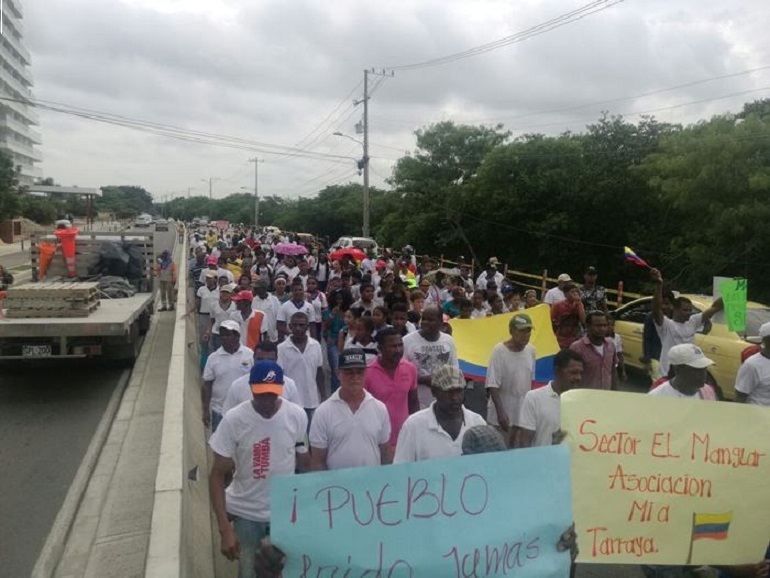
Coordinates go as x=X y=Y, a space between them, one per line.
x=373 y=413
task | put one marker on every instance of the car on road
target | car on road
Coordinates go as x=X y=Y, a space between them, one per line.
x=363 y=243
x=724 y=347
x=143 y=220
x=161 y=225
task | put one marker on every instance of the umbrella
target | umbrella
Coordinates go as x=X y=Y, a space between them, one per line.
x=290 y=249
x=354 y=252
x=448 y=272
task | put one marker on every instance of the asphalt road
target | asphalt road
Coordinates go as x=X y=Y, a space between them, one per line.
x=48 y=416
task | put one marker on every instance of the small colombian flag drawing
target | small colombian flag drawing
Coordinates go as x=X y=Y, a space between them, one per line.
x=713 y=526
x=633 y=257
x=709 y=527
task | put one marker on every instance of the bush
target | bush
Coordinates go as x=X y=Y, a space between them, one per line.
x=39 y=209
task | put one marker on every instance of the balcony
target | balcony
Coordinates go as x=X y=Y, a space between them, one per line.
x=14 y=83
x=23 y=53
x=21 y=128
x=20 y=149
x=16 y=8
x=23 y=110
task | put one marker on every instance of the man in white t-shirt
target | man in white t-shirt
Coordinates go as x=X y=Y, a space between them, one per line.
x=437 y=431
x=540 y=416
x=301 y=358
x=752 y=384
x=297 y=304
x=240 y=390
x=223 y=367
x=258 y=439
x=429 y=349
x=268 y=304
x=490 y=274
x=556 y=294
x=689 y=381
x=352 y=427
x=510 y=370
x=682 y=325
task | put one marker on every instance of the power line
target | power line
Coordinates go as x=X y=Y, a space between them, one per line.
x=302 y=142
x=542 y=28
x=171 y=131
x=413 y=123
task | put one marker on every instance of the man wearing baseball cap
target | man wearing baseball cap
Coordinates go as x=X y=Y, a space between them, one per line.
x=556 y=294
x=752 y=384
x=510 y=371
x=351 y=428
x=259 y=439
x=437 y=431
x=222 y=309
x=251 y=320
x=688 y=364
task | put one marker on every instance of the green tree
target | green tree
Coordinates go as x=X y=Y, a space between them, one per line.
x=10 y=199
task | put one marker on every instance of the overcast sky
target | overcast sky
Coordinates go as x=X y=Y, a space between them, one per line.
x=280 y=72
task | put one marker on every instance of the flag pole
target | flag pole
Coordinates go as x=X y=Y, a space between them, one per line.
x=692 y=539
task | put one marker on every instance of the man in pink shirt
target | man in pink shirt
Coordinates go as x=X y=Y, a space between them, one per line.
x=393 y=380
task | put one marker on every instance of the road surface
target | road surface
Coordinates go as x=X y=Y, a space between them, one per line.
x=48 y=416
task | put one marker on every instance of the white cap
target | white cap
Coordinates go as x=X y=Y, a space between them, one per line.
x=764 y=330
x=230 y=287
x=688 y=354
x=231 y=325
x=564 y=277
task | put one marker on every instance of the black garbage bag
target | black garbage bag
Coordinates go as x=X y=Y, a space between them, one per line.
x=136 y=262
x=113 y=260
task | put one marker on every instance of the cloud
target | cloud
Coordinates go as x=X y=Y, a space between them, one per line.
x=272 y=71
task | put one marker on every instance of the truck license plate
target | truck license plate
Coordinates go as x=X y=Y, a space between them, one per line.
x=36 y=350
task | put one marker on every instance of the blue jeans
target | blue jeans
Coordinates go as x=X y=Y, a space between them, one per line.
x=249 y=535
x=333 y=353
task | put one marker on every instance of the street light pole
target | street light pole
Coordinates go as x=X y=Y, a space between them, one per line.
x=256 y=162
x=366 y=154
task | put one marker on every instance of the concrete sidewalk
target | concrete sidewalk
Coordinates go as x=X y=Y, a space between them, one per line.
x=110 y=533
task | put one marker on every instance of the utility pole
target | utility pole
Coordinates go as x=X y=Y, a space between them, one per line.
x=366 y=154
x=365 y=159
x=210 y=181
x=256 y=162
x=188 y=191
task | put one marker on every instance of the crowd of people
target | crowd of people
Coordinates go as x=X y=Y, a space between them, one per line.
x=270 y=323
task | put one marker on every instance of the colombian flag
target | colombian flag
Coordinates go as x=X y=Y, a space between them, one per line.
x=475 y=339
x=634 y=258
x=711 y=526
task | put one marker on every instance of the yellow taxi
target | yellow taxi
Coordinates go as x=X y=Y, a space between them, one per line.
x=726 y=348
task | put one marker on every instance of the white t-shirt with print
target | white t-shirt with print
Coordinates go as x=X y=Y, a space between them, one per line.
x=541 y=413
x=350 y=439
x=261 y=449
x=753 y=379
x=672 y=333
x=511 y=373
x=223 y=369
x=430 y=355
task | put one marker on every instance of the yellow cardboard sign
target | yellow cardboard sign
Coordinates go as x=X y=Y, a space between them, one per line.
x=668 y=481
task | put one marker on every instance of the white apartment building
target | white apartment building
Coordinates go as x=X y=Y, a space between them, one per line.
x=17 y=135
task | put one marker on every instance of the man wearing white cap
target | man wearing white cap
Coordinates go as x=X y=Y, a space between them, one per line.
x=223 y=367
x=689 y=381
x=752 y=384
x=556 y=294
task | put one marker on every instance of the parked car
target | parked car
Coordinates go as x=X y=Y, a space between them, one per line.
x=161 y=225
x=363 y=243
x=723 y=346
x=143 y=221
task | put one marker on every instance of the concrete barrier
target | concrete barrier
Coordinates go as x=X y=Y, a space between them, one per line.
x=180 y=539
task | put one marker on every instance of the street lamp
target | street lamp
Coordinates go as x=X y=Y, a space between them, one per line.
x=363 y=164
x=210 y=181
